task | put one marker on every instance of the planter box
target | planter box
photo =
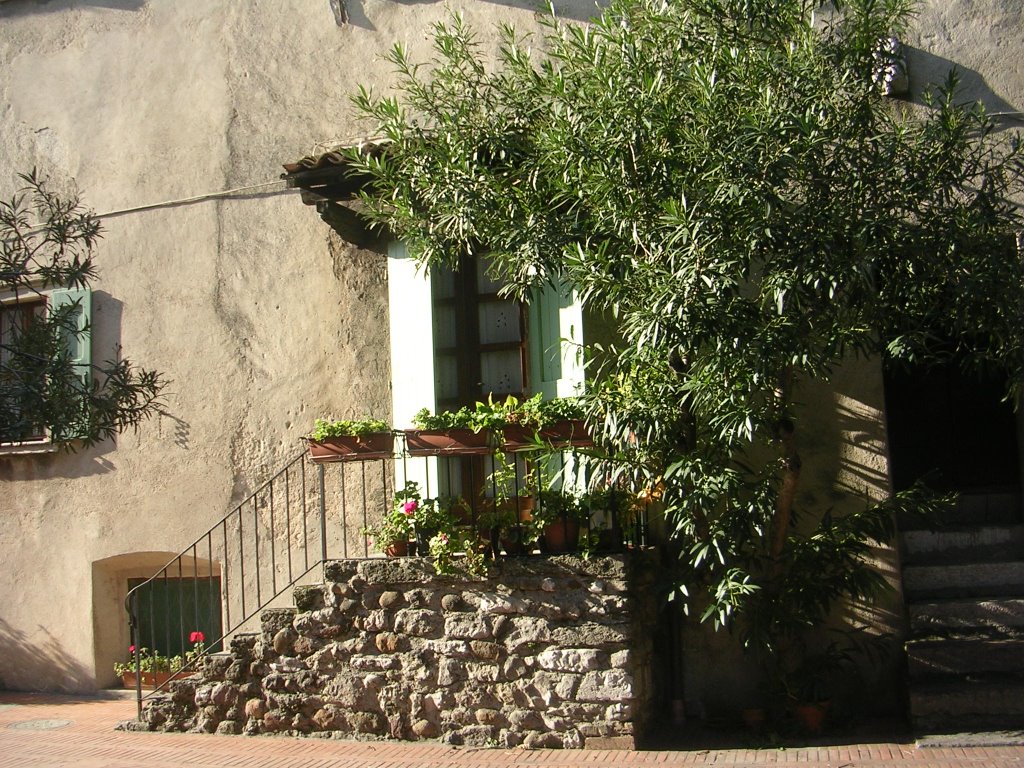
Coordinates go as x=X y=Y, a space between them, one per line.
x=567 y=434
x=152 y=680
x=376 y=445
x=447 y=442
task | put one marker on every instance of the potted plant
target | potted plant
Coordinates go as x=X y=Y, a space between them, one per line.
x=343 y=440
x=434 y=516
x=458 y=551
x=391 y=536
x=560 y=423
x=446 y=433
x=507 y=501
x=156 y=669
x=556 y=521
x=612 y=515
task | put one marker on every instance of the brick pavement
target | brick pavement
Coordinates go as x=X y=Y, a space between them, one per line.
x=88 y=740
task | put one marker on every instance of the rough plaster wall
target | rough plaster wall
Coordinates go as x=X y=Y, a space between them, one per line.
x=262 y=319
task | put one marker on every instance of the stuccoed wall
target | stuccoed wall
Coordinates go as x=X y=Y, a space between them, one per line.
x=546 y=652
x=261 y=318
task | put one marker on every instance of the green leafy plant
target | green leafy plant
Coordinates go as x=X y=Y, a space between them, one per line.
x=397 y=524
x=47 y=242
x=453 y=553
x=460 y=419
x=323 y=428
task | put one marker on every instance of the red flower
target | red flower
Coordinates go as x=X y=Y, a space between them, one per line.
x=196 y=637
x=131 y=649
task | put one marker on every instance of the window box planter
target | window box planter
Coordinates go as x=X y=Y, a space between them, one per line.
x=375 y=445
x=447 y=442
x=571 y=433
x=152 y=680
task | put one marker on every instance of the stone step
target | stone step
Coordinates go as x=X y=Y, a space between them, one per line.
x=994 y=543
x=991 y=579
x=995 y=618
x=967 y=703
x=964 y=656
x=972 y=508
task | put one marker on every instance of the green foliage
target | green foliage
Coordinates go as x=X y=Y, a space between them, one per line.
x=726 y=181
x=458 y=552
x=47 y=242
x=342 y=428
x=460 y=419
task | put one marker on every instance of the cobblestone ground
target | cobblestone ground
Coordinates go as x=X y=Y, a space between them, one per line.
x=46 y=731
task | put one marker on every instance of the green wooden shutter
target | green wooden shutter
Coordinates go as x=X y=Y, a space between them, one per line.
x=79 y=345
x=79 y=342
x=545 y=340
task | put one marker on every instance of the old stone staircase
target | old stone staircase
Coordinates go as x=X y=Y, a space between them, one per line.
x=964 y=587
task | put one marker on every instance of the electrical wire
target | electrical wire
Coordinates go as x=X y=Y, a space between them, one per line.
x=194 y=199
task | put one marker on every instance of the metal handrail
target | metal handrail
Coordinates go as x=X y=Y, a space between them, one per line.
x=194 y=552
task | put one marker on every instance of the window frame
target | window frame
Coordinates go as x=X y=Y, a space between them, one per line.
x=48 y=297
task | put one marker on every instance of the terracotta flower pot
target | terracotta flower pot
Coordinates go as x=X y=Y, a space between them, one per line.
x=397 y=549
x=562 y=536
x=811 y=715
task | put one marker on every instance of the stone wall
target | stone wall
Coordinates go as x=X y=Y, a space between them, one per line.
x=545 y=652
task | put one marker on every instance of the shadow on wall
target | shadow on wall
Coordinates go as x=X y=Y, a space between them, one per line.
x=927 y=70
x=353 y=13
x=24 y=7
x=106 y=338
x=38 y=663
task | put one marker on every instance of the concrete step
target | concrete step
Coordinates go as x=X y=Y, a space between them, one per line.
x=964 y=656
x=990 y=579
x=995 y=618
x=968 y=703
x=994 y=543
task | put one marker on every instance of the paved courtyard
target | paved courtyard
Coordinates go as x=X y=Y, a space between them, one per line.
x=46 y=731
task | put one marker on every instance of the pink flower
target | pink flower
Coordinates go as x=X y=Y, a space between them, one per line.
x=196 y=637
x=443 y=537
x=131 y=649
x=410 y=507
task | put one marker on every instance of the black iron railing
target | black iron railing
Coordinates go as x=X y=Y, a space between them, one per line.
x=308 y=513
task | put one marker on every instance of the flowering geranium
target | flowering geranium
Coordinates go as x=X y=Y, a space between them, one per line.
x=445 y=548
x=397 y=523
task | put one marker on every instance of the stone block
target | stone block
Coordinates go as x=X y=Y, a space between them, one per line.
x=389 y=642
x=362 y=663
x=424 y=729
x=396 y=570
x=272 y=620
x=572 y=660
x=308 y=598
x=368 y=722
x=620 y=742
x=525 y=632
x=466 y=627
x=542 y=740
x=485 y=650
x=284 y=640
x=418 y=622
x=390 y=599
x=610 y=685
x=340 y=570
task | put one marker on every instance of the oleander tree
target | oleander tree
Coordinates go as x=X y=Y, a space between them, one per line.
x=49 y=389
x=727 y=181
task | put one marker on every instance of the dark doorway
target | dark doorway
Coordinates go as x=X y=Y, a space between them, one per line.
x=170 y=610
x=954 y=430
